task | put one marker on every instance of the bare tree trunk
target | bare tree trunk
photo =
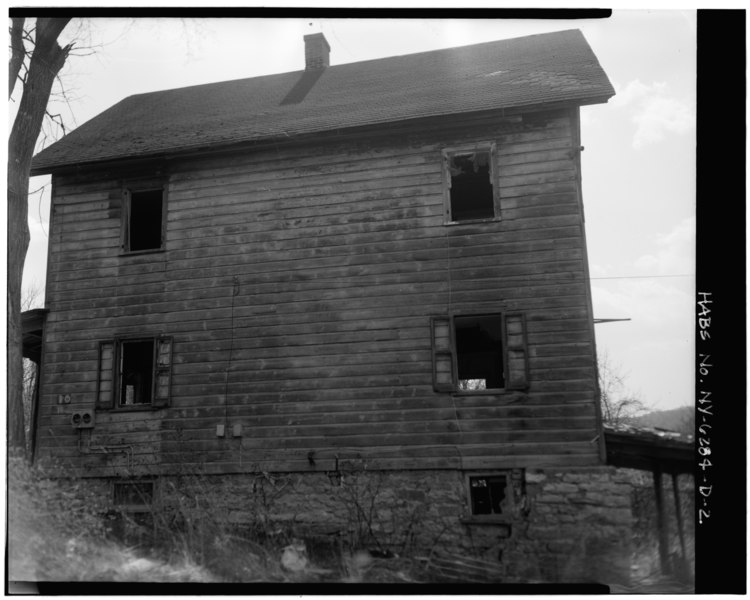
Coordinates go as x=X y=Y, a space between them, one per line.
x=17 y=52
x=46 y=61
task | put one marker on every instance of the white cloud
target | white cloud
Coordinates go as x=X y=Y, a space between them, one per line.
x=675 y=252
x=656 y=303
x=655 y=348
x=597 y=270
x=632 y=92
x=588 y=120
x=651 y=299
x=656 y=112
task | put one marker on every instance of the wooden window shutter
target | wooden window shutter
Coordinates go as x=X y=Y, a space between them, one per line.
x=516 y=377
x=125 y=223
x=162 y=371
x=163 y=217
x=447 y=183
x=105 y=398
x=442 y=354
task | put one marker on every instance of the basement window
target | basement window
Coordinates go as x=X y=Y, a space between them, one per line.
x=470 y=184
x=489 y=494
x=144 y=220
x=133 y=494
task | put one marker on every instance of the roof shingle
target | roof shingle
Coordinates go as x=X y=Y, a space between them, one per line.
x=531 y=70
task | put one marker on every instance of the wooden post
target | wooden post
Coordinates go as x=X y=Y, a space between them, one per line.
x=678 y=508
x=661 y=522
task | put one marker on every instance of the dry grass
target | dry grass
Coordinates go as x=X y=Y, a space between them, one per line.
x=58 y=531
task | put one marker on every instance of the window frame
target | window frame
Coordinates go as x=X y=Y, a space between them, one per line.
x=141 y=507
x=128 y=189
x=508 y=501
x=519 y=347
x=447 y=154
x=112 y=402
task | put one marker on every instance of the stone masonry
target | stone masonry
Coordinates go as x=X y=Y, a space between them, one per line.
x=561 y=526
x=578 y=528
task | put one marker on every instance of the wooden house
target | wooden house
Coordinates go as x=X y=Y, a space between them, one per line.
x=381 y=262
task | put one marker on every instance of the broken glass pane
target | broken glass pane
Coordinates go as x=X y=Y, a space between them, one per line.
x=471 y=192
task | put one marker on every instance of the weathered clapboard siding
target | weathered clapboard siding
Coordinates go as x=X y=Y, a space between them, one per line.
x=322 y=343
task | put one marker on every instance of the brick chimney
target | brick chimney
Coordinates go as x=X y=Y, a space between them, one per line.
x=317 y=52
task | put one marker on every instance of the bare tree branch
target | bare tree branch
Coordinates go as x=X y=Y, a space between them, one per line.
x=37 y=190
x=618 y=405
x=57 y=119
x=40 y=191
x=64 y=95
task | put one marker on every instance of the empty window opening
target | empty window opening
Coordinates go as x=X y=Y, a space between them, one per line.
x=471 y=193
x=134 y=493
x=488 y=494
x=136 y=372
x=145 y=220
x=479 y=352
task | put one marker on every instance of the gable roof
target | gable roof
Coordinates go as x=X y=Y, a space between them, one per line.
x=531 y=70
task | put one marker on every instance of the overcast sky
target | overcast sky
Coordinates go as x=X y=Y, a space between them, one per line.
x=638 y=163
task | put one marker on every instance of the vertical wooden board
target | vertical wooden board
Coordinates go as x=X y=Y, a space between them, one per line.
x=443 y=369
x=514 y=340
x=162 y=385
x=516 y=360
x=514 y=326
x=164 y=357
x=442 y=335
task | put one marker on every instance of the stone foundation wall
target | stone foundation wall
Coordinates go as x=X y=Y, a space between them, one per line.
x=578 y=528
x=560 y=526
x=389 y=512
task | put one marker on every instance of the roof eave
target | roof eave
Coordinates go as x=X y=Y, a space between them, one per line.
x=163 y=155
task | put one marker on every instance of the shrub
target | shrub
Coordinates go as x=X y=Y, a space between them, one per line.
x=57 y=531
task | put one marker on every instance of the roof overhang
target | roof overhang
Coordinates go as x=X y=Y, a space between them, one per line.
x=649 y=450
x=374 y=129
x=32 y=322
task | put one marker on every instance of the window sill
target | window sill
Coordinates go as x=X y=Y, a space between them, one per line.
x=472 y=221
x=486 y=520
x=490 y=392
x=134 y=408
x=142 y=252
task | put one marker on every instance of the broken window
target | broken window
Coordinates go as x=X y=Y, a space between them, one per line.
x=470 y=184
x=489 y=494
x=140 y=370
x=133 y=493
x=144 y=220
x=476 y=353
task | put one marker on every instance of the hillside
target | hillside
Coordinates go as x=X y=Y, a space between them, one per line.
x=680 y=419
